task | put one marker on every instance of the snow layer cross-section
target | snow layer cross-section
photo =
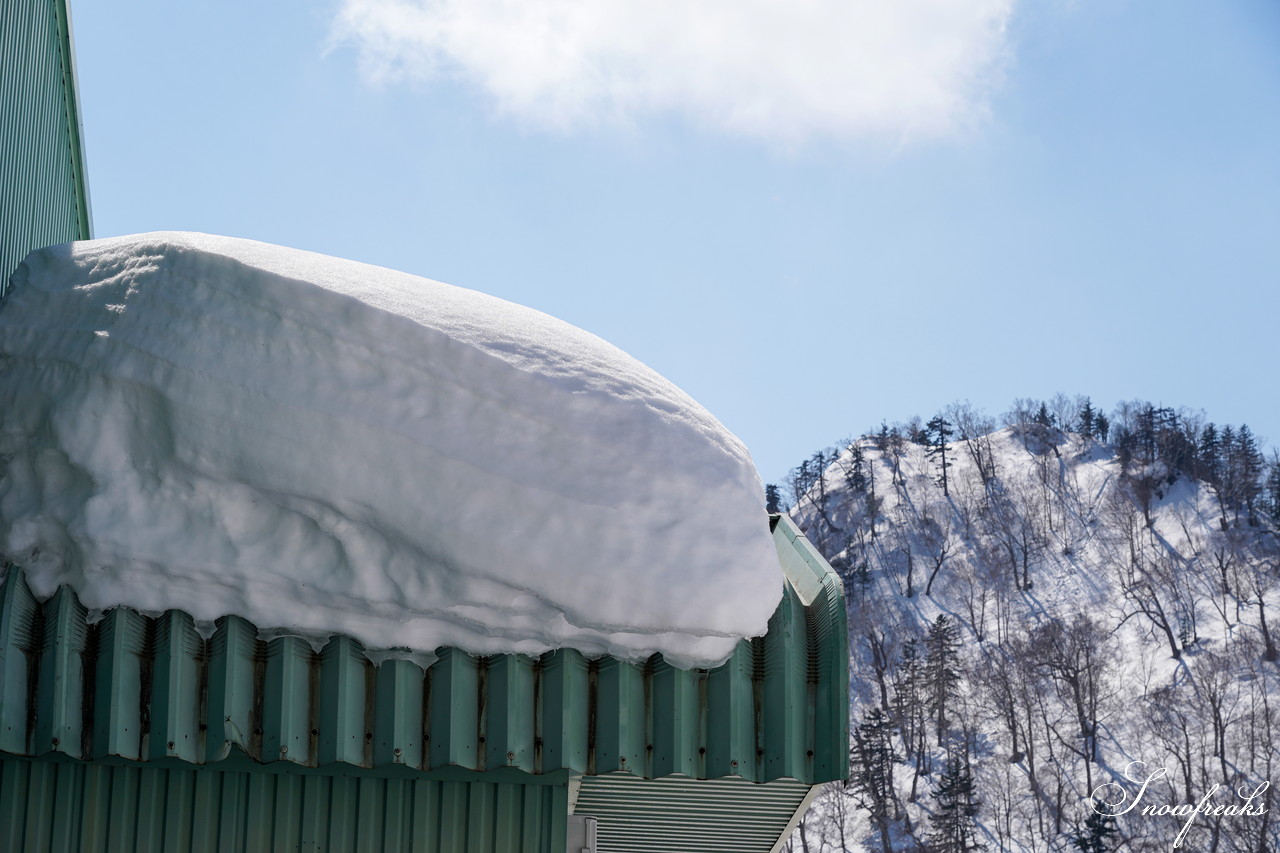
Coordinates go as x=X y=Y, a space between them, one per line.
x=223 y=426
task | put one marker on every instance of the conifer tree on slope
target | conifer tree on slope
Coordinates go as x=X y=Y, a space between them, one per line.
x=938 y=431
x=942 y=667
x=772 y=499
x=1092 y=837
x=954 y=830
x=871 y=779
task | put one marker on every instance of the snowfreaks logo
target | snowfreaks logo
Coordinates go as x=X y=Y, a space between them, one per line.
x=1112 y=800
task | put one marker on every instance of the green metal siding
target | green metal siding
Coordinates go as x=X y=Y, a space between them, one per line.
x=678 y=815
x=43 y=195
x=55 y=806
x=137 y=733
x=134 y=688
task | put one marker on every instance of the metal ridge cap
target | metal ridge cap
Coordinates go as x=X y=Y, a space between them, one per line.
x=806 y=570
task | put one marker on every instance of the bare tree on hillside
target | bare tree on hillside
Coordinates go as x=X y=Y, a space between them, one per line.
x=975 y=431
x=1011 y=520
x=937 y=540
x=1076 y=655
x=1149 y=596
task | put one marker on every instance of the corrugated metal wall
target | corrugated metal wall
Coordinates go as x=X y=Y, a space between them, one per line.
x=43 y=194
x=271 y=745
x=63 y=806
x=144 y=689
x=675 y=815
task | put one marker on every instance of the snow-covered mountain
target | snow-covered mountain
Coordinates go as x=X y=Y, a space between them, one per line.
x=1045 y=619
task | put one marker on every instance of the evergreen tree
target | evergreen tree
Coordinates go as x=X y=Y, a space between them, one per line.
x=953 y=827
x=937 y=432
x=856 y=474
x=1251 y=465
x=871 y=778
x=1125 y=443
x=1272 y=497
x=1144 y=434
x=1209 y=456
x=1088 y=418
x=910 y=705
x=1101 y=427
x=1092 y=837
x=772 y=499
x=881 y=438
x=942 y=667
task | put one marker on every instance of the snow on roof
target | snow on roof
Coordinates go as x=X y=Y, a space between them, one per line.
x=321 y=446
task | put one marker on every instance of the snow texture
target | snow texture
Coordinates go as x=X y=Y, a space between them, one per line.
x=321 y=446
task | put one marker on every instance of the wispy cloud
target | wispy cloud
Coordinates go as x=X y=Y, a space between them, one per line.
x=783 y=71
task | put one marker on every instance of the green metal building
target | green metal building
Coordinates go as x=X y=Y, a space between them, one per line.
x=137 y=733
x=131 y=732
x=44 y=197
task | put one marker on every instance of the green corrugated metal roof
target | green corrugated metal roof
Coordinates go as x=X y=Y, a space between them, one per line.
x=44 y=196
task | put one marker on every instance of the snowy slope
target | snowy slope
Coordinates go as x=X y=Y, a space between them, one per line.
x=224 y=426
x=1104 y=613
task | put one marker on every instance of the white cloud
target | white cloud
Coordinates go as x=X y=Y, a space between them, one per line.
x=786 y=71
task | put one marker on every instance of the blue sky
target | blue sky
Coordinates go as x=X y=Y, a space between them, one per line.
x=809 y=221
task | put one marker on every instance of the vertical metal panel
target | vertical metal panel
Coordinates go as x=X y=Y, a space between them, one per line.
x=827 y=622
x=124 y=799
x=731 y=712
x=287 y=701
x=60 y=683
x=151 y=809
x=506 y=818
x=288 y=811
x=455 y=697
x=260 y=814
x=371 y=807
x=342 y=813
x=94 y=808
x=40 y=806
x=43 y=195
x=563 y=711
x=176 y=709
x=426 y=811
x=70 y=789
x=677 y=724
x=397 y=727
x=344 y=691
x=234 y=657
x=207 y=807
x=19 y=612
x=314 y=830
x=453 y=820
x=620 y=714
x=509 y=713
x=787 y=705
x=117 y=719
x=13 y=777
x=179 y=817
x=480 y=816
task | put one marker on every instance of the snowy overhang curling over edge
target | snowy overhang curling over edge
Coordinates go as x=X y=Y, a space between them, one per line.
x=320 y=446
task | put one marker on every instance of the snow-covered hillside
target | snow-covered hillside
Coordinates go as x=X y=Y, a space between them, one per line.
x=1068 y=616
x=223 y=426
